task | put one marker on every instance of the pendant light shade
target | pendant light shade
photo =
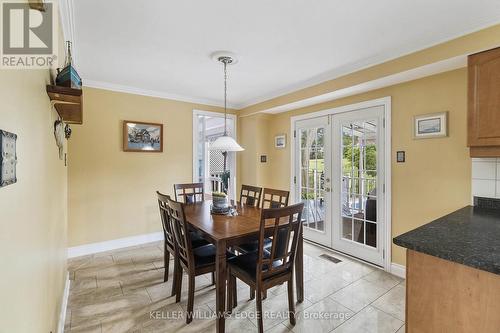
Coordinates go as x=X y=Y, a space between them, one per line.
x=225 y=142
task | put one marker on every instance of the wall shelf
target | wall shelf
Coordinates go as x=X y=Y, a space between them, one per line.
x=67 y=102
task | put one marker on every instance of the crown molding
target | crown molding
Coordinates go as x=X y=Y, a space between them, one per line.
x=152 y=93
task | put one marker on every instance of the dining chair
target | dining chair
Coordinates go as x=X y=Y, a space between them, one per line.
x=250 y=195
x=271 y=199
x=169 y=242
x=189 y=193
x=269 y=267
x=194 y=261
x=275 y=198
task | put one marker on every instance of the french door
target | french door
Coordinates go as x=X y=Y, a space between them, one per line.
x=313 y=177
x=340 y=179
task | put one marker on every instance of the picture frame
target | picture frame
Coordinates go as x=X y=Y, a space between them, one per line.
x=280 y=141
x=142 y=137
x=8 y=158
x=431 y=125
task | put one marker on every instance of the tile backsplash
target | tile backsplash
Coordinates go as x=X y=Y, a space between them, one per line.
x=486 y=177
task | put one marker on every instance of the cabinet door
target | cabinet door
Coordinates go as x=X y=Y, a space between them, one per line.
x=484 y=99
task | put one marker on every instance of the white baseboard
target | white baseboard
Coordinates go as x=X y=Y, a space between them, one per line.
x=64 y=305
x=114 y=244
x=398 y=270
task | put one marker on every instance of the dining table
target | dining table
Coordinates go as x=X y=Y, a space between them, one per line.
x=225 y=231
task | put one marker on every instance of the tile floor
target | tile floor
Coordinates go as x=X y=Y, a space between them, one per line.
x=123 y=291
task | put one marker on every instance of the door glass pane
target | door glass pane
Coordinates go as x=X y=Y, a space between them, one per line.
x=347 y=228
x=312 y=177
x=359 y=182
x=358 y=231
x=371 y=234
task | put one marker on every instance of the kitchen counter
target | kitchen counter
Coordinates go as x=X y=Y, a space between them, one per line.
x=453 y=271
x=469 y=236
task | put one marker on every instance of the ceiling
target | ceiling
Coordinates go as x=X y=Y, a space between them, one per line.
x=162 y=47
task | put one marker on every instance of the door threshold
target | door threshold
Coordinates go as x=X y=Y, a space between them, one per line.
x=344 y=254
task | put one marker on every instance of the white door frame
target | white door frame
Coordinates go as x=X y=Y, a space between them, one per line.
x=386 y=103
x=234 y=162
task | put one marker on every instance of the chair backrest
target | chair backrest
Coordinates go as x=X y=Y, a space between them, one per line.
x=189 y=193
x=250 y=195
x=165 y=219
x=181 y=233
x=285 y=228
x=274 y=198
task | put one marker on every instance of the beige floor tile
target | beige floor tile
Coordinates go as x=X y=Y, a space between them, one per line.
x=80 y=299
x=118 y=291
x=393 y=302
x=94 y=328
x=370 y=320
x=358 y=295
x=117 y=306
x=323 y=316
x=382 y=279
x=402 y=329
x=317 y=289
x=281 y=328
x=83 y=285
x=352 y=271
x=275 y=309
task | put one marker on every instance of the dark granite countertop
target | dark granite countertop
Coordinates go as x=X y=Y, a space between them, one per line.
x=469 y=236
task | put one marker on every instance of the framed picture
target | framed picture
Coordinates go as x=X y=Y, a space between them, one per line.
x=434 y=125
x=8 y=158
x=142 y=137
x=280 y=141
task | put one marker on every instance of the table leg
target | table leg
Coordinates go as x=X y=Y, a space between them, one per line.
x=299 y=269
x=220 y=264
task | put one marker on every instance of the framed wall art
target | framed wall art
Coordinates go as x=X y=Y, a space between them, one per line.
x=8 y=158
x=142 y=137
x=433 y=125
x=280 y=141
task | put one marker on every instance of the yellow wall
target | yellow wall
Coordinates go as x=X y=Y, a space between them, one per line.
x=111 y=192
x=435 y=179
x=33 y=211
x=255 y=172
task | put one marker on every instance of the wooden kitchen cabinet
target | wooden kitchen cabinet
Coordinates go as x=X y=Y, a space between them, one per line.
x=484 y=103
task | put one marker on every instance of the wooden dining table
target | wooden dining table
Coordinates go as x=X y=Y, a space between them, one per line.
x=225 y=231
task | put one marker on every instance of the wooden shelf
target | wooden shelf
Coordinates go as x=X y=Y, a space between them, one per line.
x=67 y=102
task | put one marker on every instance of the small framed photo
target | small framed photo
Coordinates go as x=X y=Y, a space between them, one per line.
x=433 y=125
x=142 y=137
x=280 y=141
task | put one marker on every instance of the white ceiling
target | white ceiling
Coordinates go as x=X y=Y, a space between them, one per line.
x=163 y=47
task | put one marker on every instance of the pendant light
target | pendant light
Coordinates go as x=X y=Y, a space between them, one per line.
x=225 y=142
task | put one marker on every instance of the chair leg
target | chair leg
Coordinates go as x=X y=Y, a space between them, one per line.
x=291 y=302
x=190 y=303
x=178 y=284
x=264 y=294
x=213 y=278
x=252 y=293
x=258 y=301
x=166 y=264
x=230 y=291
x=175 y=277
x=235 y=292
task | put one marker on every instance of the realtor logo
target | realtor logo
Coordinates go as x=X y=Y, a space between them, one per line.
x=29 y=36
